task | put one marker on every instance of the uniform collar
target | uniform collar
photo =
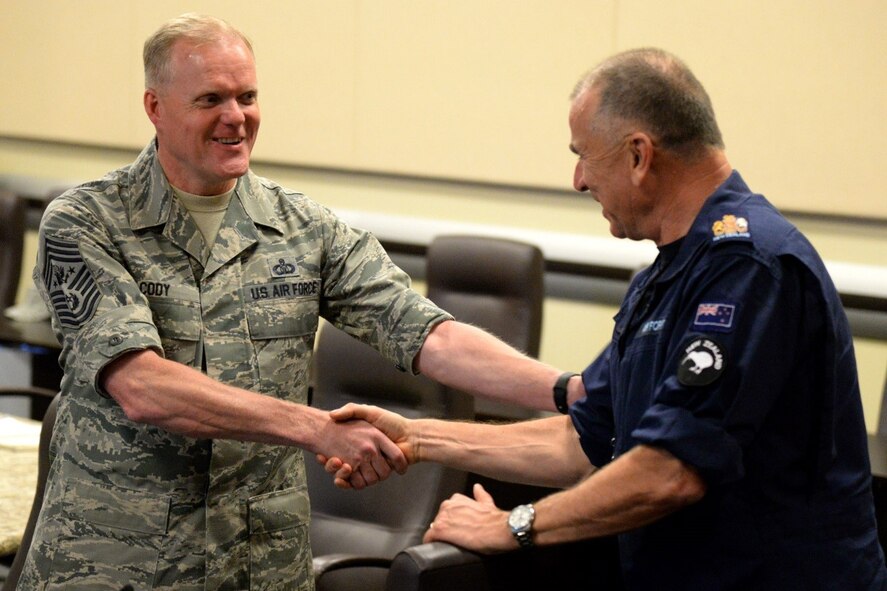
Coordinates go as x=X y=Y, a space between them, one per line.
x=152 y=194
x=729 y=192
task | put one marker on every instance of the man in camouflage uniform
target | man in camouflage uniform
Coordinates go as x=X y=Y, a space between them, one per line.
x=186 y=293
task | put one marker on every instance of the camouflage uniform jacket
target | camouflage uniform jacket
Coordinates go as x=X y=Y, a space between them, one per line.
x=123 y=267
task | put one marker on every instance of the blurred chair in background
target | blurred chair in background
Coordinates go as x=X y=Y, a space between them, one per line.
x=492 y=283
x=12 y=241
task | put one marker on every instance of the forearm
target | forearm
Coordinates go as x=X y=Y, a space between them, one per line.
x=469 y=359
x=177 y=398
x=639 y=488
x=544 y=452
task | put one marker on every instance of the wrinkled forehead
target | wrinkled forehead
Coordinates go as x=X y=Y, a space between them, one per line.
x=583 y=108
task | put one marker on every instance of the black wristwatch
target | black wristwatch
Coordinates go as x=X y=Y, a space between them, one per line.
x=560 y=392
x=520 y=520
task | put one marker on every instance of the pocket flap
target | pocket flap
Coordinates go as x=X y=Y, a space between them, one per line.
x=279 y=510
x=123 y=508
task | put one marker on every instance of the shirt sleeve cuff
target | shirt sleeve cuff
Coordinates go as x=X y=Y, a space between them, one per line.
x=119 y=331
x=702 y=444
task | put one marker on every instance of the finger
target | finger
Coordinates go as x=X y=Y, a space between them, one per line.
x=333 y=465
x=369 y=474
x=357 y=482
x=321 y=459
x=344 y=472
x=429 y=534
x=346 y=413
x=394 y=455
x=482 y=496
x=342 y=483
x=381 y=467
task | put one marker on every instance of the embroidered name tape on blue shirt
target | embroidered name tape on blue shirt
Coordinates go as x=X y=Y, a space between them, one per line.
x=715 y=316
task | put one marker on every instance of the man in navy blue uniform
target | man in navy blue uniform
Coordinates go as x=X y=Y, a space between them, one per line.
x=720 y=433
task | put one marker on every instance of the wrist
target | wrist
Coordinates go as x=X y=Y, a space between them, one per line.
x=560 y=392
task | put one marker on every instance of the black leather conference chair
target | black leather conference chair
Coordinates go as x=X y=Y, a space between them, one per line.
x=493 y=283
x=12 y=239
x=15 y=568
x=588 y=564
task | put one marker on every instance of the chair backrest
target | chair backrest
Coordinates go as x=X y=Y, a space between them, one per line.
x=383 y=519
x=43 y=461
x=493 y=283
x=12 y=240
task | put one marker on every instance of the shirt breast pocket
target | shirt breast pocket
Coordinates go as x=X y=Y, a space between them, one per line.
x=283 y=319
x=282 y=334
x=179 y=325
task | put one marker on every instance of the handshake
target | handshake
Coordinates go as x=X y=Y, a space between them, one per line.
x=374 y=461
x=404 y=441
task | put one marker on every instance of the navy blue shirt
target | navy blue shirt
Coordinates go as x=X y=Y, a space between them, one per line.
x=733 y=353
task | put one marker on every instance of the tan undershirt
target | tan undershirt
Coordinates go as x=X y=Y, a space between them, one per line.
x=207 y=211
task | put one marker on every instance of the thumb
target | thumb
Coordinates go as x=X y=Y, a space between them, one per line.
x=482 y=496
x=345 y=413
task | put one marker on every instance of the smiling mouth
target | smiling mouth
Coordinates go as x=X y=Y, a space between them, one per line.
x=228 y=141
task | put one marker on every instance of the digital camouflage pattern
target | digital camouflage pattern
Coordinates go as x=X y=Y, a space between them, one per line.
x=129 y=503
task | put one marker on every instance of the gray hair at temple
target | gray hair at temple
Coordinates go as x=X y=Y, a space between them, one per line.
x=196 y=28
x=655 y=89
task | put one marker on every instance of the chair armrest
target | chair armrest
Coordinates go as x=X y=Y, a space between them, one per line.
x=332 y=562
x=437 y=566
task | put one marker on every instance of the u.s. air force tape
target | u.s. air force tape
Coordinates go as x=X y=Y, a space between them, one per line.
x=72 y=289
x=702 y=362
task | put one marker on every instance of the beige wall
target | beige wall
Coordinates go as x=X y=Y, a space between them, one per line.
x=436 y=96
x=477 y=89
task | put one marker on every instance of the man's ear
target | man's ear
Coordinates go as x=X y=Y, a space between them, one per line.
x=152 y=105
x=640 y=150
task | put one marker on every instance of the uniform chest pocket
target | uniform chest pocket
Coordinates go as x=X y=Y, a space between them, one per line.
x=275 y=319
x=179 y=325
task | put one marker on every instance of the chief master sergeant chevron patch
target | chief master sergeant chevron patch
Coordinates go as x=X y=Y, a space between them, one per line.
x=72 y=289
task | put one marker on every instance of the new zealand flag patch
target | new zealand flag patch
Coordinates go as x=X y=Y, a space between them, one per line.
x=714 y=316
x=72 y=290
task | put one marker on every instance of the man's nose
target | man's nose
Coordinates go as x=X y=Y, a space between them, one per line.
x=232 y=114
x=578 y=180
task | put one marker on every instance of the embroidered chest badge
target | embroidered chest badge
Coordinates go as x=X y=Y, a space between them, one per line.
x=283 y=267
x=730 y=226
x=716 y=316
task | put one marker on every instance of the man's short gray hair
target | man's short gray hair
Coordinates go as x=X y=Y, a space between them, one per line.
x=196 y=28
x=655 y=89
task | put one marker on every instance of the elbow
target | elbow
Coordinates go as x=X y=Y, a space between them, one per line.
x=127 y=381
x=676 y=484
x=684 y=487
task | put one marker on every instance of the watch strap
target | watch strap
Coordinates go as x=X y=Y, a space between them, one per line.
x=560 y=391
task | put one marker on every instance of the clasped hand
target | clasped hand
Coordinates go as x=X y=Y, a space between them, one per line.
x=394 y=427
x=364 y=454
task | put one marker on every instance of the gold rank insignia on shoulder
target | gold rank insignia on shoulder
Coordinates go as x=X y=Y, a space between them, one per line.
x=730 y=226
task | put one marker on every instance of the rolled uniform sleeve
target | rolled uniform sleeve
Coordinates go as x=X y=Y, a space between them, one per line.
x=592 y=416
x=709 y=425
x=97 y=310
x=369 y=297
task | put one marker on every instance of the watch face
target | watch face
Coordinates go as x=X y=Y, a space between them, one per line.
x=521 y=517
